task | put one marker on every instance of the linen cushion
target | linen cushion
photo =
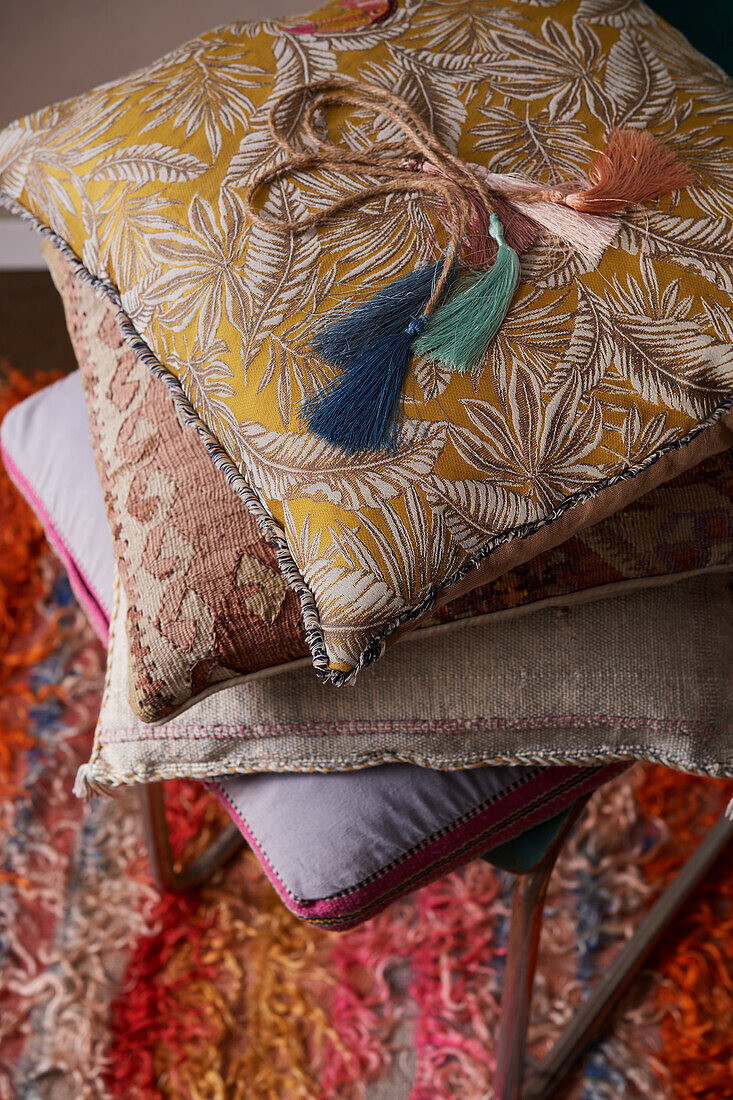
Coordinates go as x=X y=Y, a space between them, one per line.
x=47 y=453
x=645 y=676
x=348 y=844
x=603 y=382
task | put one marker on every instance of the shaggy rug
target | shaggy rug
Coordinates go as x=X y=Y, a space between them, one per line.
x=109 y=988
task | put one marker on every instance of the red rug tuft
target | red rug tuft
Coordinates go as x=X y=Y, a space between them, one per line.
x=111 y=989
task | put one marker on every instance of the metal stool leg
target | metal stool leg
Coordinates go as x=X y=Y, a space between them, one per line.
x=530 y=890
x=155 y=827
x=521 y=961
x=548 y=1075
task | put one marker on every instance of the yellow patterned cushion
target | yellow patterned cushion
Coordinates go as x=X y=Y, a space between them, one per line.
x=603 y=380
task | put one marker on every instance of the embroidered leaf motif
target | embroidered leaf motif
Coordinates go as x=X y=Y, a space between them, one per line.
x=639 y=439
x=589 y=352
x=203 y=85
x=565 y=64
x=296 y=371
x=123 y=223
x=476 y=510
x=149 y=164
x=281 y=268
x=354 y=605
x=432 y=378
x=641 y=89
x=663 y=352
x=693 y=74
x=384 y=236
x=299 y=59
x=384 y=573
x=530 y=144
x=40 y=155
x=534 y=337
x=467 y=28
x=529 y=444
x=291 y=464
x=710 y=158
x=257 y=149
x=550 y=266
x=615 y=13
x=431 y=91
x=701 y=245
x=203 y=277
x=204 y=374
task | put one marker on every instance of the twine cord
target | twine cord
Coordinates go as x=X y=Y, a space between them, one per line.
x=380 y=160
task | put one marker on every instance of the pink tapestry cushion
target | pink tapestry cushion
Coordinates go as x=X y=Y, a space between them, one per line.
x=48 y=454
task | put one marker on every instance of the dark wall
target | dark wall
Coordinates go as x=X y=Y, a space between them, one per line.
x=707 y=23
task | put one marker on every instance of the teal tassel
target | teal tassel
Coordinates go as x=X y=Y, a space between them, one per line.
x=458 y=333
x=361 y=410
x=387 y=313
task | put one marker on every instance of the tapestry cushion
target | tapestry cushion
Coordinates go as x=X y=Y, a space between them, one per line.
x=643 y=676
x=142 y=451
x=351 y=843
x=610 y=374
x=47 y=452
x=207 y=602
x=143 y=178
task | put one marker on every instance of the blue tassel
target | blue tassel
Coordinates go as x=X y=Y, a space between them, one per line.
x=361 y=410
x=388 y=313
x=460 y=330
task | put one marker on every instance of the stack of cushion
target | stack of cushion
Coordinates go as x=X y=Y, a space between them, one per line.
x=224 y=550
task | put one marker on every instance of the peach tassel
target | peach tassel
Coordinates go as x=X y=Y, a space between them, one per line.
x=634 y=168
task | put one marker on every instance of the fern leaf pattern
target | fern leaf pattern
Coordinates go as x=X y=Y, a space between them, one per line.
x=604 y=361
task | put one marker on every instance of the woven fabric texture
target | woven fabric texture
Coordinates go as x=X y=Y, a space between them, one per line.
x=206 y=599
x=607 y=377
x=648 y=677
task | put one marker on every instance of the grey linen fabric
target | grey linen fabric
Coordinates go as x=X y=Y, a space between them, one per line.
x=644 y=675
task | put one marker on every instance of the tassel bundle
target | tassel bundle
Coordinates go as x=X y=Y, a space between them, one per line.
x=458 y=334
x=432 y=311
x=390 y=311
x=361 y=409
x=587 y=234
x=634 y=169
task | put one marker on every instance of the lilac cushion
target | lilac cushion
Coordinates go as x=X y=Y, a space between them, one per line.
x=48 y=454
x=340 y=846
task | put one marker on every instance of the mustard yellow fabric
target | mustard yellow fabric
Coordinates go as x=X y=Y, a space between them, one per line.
x=597 y=369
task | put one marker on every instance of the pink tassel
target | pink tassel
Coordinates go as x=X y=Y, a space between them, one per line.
x=589 y=235
x=635 y=168
x=480 y=249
